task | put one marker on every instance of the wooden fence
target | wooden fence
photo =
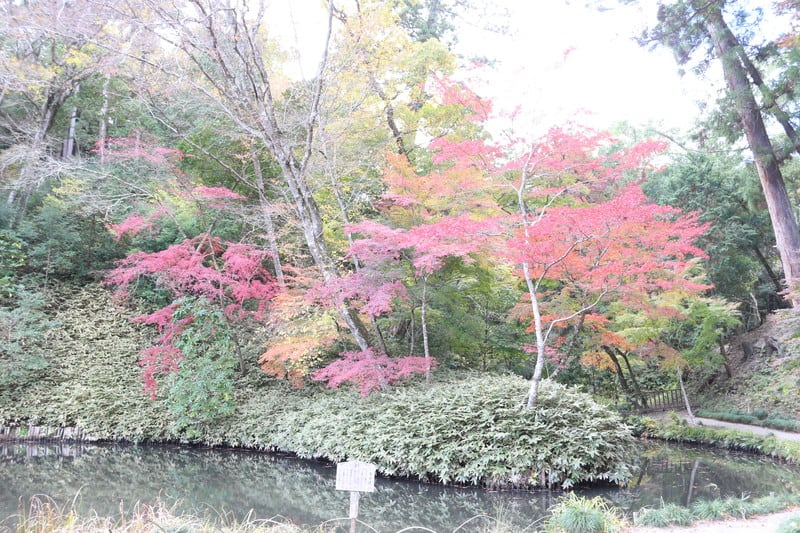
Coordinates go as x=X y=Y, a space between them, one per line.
x=662 y=400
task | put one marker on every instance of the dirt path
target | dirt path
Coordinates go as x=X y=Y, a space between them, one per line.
x=758 y=430
x=710 y=422
x=758 y=524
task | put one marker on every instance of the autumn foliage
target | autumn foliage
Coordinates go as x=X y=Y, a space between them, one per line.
x=231 y=276
x=565 y=210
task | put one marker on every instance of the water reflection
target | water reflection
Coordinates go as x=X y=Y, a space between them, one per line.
x=109 y=478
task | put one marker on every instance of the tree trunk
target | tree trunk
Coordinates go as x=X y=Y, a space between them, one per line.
x=769 y=100
x=536 y=379
x=768 y=269
x=423 y=320
x=692 y=420
x=29 y=179
x=787 y=237
x=266 y=214
x=633 y=377
x=102 y=129
x=725 y=362
x=68 y=149
x=622 y=381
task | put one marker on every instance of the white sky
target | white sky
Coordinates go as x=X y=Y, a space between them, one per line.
x=607 y=78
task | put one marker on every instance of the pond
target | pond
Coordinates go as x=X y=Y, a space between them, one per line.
x=108 y=478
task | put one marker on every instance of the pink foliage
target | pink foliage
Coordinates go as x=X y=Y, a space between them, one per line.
x=215 y=196
x=453 y=92
x=203 y=266
x=130 y=226
x=216 y=193
x=157 y=361
x=470 y=151
x=370 y=290
x=134 y=148
x=428 y=244
x=370 y=372
x=624 y=243
x=228 y=275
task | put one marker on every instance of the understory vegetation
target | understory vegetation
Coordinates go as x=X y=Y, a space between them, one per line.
x=758 y=417
x=463 y=428
x=730 y=508
x=678 y=430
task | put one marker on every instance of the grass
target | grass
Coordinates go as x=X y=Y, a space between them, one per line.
x=44 y=515
x=572 y=514
x=677 y=430
x=729 y=508
x=790 y=526
x=575 y=514
x=758 y=417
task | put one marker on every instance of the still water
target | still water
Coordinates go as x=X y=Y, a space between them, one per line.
x=111 y=479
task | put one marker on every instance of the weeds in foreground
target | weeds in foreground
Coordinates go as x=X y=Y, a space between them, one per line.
x=45 y=515
x=572 y=514
x=790 y=526
x=674 y=515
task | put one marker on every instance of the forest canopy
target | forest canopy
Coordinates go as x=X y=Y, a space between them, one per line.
x=379 y=219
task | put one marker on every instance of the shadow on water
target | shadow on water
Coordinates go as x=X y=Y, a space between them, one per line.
x=208 y=481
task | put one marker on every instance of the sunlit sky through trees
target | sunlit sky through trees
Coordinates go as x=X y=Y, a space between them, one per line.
x=560 y=60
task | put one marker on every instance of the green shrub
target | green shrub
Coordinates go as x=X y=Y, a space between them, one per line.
x=464 y=428
x=23 y=356
x=472 y=429
x=758 y=417
x=669 y=514
x=709 y=509
x=791 y=525
x=576 y=514
x=679 y=431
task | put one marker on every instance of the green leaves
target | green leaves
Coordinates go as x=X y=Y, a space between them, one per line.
x=22 y=325
x=470 y=429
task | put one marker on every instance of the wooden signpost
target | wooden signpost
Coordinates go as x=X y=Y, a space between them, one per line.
x=355 y=477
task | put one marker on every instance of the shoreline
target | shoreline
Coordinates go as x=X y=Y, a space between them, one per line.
x=761 y=523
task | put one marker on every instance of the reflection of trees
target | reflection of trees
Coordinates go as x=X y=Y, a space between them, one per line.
x=303 y=491
x=683 y=474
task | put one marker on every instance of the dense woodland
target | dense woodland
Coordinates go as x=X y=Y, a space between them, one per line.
x=378 y=220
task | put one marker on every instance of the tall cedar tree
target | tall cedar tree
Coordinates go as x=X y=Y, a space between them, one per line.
x=686 y=26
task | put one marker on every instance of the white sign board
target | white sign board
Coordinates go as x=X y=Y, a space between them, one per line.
x=355 y=476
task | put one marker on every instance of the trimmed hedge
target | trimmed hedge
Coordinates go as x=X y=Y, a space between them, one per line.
x=463 y=429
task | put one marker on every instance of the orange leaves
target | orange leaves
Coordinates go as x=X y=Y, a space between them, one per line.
x=299 y=334
x=623 y=244
x=461 y=186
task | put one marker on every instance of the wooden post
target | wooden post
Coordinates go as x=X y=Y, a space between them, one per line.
x=355 y=496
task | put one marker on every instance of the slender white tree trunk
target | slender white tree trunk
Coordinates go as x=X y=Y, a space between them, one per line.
x=690 y=414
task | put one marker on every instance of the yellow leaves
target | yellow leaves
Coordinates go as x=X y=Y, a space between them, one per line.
x=67 y=190
x=80 y=58
x=300 y=334
x=597 y=359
